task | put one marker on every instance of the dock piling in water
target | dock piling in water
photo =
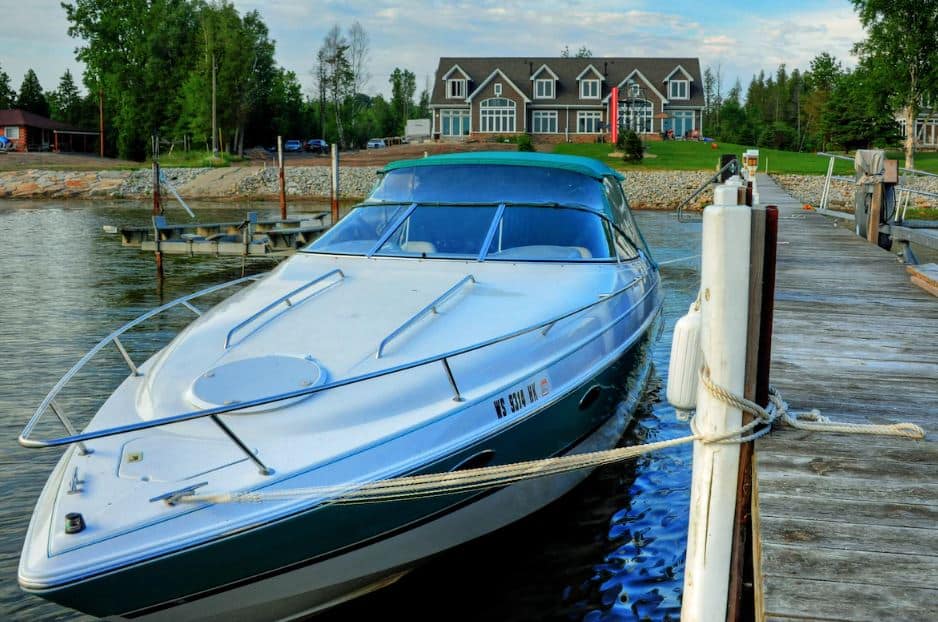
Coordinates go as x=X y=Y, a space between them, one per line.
x=724 y=304
x=157 y=212
x=334 y=177
x=282 y=179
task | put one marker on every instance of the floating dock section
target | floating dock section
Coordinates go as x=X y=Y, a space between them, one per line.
x=248 y=237
x=845 y=526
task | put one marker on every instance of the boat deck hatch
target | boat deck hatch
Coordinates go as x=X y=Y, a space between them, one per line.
x=253 y=378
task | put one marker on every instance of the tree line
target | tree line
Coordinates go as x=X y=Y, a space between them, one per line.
x=828 y=106
x=152 y=64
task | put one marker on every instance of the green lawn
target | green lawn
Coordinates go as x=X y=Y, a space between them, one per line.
x=196 y=158
x=692 y=155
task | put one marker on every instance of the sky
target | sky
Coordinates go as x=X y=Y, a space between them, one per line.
x=415 y=34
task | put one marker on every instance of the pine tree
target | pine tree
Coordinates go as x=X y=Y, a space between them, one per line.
x=7 y=94
x=31 y=97
x=65 y=101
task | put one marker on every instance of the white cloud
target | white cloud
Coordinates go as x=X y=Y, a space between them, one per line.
x=35 y=36
x=415 y=34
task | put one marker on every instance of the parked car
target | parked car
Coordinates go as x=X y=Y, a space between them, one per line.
x=293 y=145
x=316 y=145
x=376 y=143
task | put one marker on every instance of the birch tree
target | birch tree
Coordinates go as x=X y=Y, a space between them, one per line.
x=902 y=40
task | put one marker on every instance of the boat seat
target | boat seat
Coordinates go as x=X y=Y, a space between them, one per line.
x=416 y=246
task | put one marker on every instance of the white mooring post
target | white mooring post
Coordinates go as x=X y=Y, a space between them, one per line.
x=724 y=298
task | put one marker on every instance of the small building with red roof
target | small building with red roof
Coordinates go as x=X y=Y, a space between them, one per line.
x=29 y=131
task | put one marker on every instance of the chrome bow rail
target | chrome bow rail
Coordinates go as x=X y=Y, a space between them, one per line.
x=213 y=413
x=49 y=402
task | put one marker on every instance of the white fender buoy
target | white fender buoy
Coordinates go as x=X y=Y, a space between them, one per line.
x=686 y=359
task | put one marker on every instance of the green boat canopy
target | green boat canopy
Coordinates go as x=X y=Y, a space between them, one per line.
x=577 y=164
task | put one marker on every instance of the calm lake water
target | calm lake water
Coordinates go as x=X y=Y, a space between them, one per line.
x=613 y=549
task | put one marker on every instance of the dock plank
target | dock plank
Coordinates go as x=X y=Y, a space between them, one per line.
x=845 y=527
x=803 y=599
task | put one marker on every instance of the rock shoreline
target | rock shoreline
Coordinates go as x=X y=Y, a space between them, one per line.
x=808 y=190
x=662 y=190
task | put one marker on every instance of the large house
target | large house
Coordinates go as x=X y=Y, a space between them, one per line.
x=926 y=127
x=566 y=99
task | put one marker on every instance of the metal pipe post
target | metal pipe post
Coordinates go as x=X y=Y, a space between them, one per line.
x=157 y=211
x=283 y=182
x=334 y=153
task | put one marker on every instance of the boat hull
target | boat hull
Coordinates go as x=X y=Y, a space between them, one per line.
x=324 y=555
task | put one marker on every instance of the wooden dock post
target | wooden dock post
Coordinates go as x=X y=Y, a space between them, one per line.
x=283 y=182
x=725 y=308
x=157 y=212
x=334 y=153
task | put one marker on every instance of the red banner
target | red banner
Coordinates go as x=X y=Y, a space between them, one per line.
x=614 y=114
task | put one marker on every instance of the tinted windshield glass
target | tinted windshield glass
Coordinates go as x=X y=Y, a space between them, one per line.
x=545 y=233
x=357 y=233
x=479 y=183
x=459 y=232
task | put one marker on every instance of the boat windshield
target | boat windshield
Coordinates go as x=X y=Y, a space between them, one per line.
x=515 y=233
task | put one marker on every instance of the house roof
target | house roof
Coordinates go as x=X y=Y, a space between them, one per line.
x=497 y=72
x=577 y=164
x=24 y=117
x=520 y=69
x=682 y=70
x=544 y=67
x=641 y=77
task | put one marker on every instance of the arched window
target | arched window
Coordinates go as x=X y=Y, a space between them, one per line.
x=497 y=114
x=636 y=115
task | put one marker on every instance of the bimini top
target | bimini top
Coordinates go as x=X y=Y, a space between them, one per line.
x=577 y=164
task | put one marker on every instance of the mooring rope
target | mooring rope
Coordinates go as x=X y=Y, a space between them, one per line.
x=436 y=484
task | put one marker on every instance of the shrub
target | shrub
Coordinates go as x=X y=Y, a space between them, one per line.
x=633 y=150
x=621 y=140
x=525 y=143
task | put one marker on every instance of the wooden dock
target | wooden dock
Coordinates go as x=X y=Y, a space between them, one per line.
x=845 y=527
x=249 y=237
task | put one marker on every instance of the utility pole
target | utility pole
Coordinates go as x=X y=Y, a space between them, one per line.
x=101 y=121
x=214 y=118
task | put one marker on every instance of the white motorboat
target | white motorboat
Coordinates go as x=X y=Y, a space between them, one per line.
x=476 y=310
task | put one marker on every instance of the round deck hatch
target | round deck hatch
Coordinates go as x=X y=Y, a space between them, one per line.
x=254 y=378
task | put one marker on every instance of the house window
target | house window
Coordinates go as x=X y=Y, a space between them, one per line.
x=677 y=89
x=455 y=88
x=588 y=122
x=635 y=89
x=589 y=89
x=498 y=89
x=497 y=114
x=544 y=121
x=12 y=132
x=454 y=122
x=543 y=89
x=636 y=115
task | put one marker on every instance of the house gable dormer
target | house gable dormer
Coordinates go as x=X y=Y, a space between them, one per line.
x=637 y=77
x=544 y=82
x=498 y=74
x=590 y=81
x=457 y=83
x=677 y=83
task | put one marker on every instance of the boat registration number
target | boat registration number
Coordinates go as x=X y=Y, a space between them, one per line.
x=522 y=396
